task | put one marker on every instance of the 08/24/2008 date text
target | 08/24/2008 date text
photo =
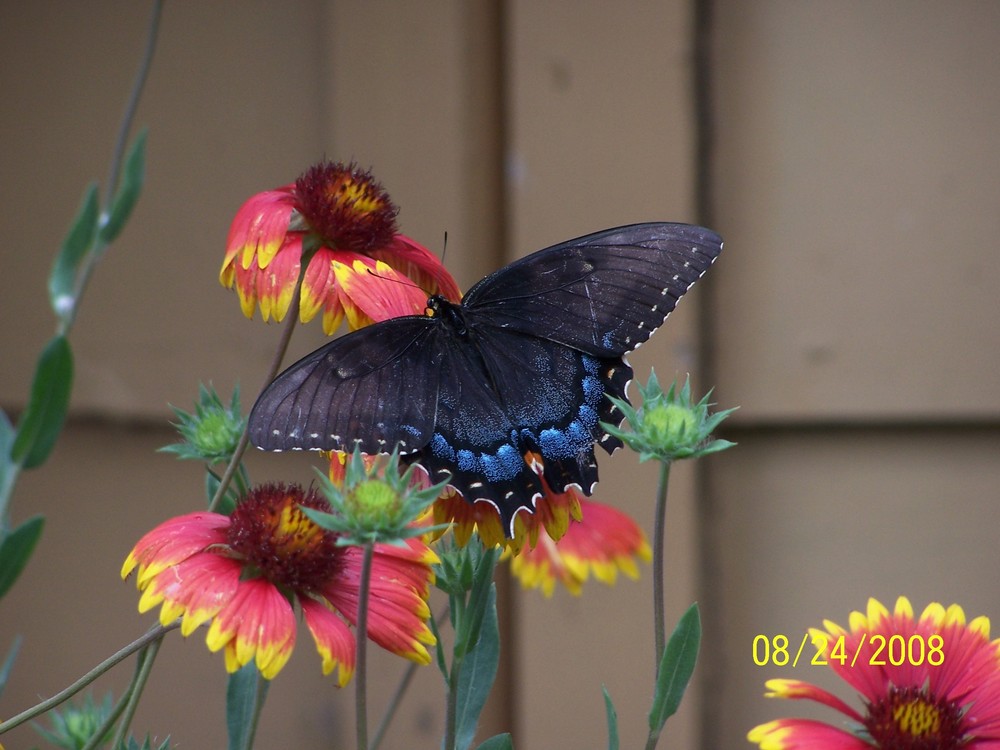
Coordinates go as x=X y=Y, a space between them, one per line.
x=872 y=650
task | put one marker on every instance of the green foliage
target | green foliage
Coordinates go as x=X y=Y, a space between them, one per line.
x=212 y=432
x=479 y=670
x=374 y=505
x=466 y=575
x=245 y=695
x=73 y=727
x=128 y=189
x=676 y=668
x=498 y=742
x=132 y=744
x=609 y=710
x=77 y=245
x=8 y=662
x=43 y=418
x=667 y=426
x=15 y=550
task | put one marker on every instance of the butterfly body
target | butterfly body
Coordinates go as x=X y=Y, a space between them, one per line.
x=506 y=387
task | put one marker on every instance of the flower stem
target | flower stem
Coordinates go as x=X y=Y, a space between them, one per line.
x=279 y=355
x=360 y=661
x=659 y=542
x=114 y=171
x=154 y=634
x=146 y=660
x=451 y=716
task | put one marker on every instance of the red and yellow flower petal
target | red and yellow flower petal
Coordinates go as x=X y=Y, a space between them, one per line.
x=416 y=262
x=196 y=588
x=799 y=690
x=803 y=734
x=320 y=291
x=948 y=700
x=257 y=624
x=603 y=543
x=173 y=541
x=334 y=640
x=275 y=284
x=257 y=232
x=372 y=291
x=397 y=604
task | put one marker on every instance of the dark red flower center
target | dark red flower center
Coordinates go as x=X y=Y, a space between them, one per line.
x=271 y=533
x=346 y=207
x=911 y=719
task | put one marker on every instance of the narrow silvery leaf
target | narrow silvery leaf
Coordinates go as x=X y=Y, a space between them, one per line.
x=128 y=191
x=78 y=242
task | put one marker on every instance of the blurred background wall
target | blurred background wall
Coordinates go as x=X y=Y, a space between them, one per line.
x=849 y=154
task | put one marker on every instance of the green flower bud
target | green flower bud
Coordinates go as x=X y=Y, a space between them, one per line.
x=668 y=426
x=212 y=432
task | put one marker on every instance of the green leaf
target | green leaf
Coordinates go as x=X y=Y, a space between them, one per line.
x=498 y=742
x=676 y=668
x=8 y=469
x=78 y=242
x=128 y=190
x=246 y=689
x=8 y=663
x=16 y=549
x=609 y=709
x=43 y=419
x=481 y=593
x=478 y=671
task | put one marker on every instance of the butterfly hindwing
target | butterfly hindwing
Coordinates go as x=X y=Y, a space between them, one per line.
x=604 y=293
x=516 y=403
x=375 y=387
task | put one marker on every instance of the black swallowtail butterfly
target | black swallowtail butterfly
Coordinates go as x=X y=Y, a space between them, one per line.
x=508 y=384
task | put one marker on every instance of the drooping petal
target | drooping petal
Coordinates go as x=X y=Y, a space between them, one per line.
x=257 y=624
x=397 y=604
x=196 y=588
x=416 y=262
x=173 y=541
x=257 y=231
x=334 y=639
x=603 y=543
x=275 y=283
x=319 y=289
x=373 y=291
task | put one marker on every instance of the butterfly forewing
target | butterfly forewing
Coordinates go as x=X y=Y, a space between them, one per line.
x=604 y=293
x=375 y=387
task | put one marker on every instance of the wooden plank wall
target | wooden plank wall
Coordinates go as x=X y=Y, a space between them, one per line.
x=509 y=126
x=852 y=317
x=857 y=174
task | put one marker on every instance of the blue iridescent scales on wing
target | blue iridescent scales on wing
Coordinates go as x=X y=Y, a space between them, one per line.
x=508 y=386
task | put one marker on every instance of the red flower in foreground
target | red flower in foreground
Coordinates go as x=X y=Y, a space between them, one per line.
x=931 y=683
x=603 y=542
x=242 y=573
x=332 y=214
